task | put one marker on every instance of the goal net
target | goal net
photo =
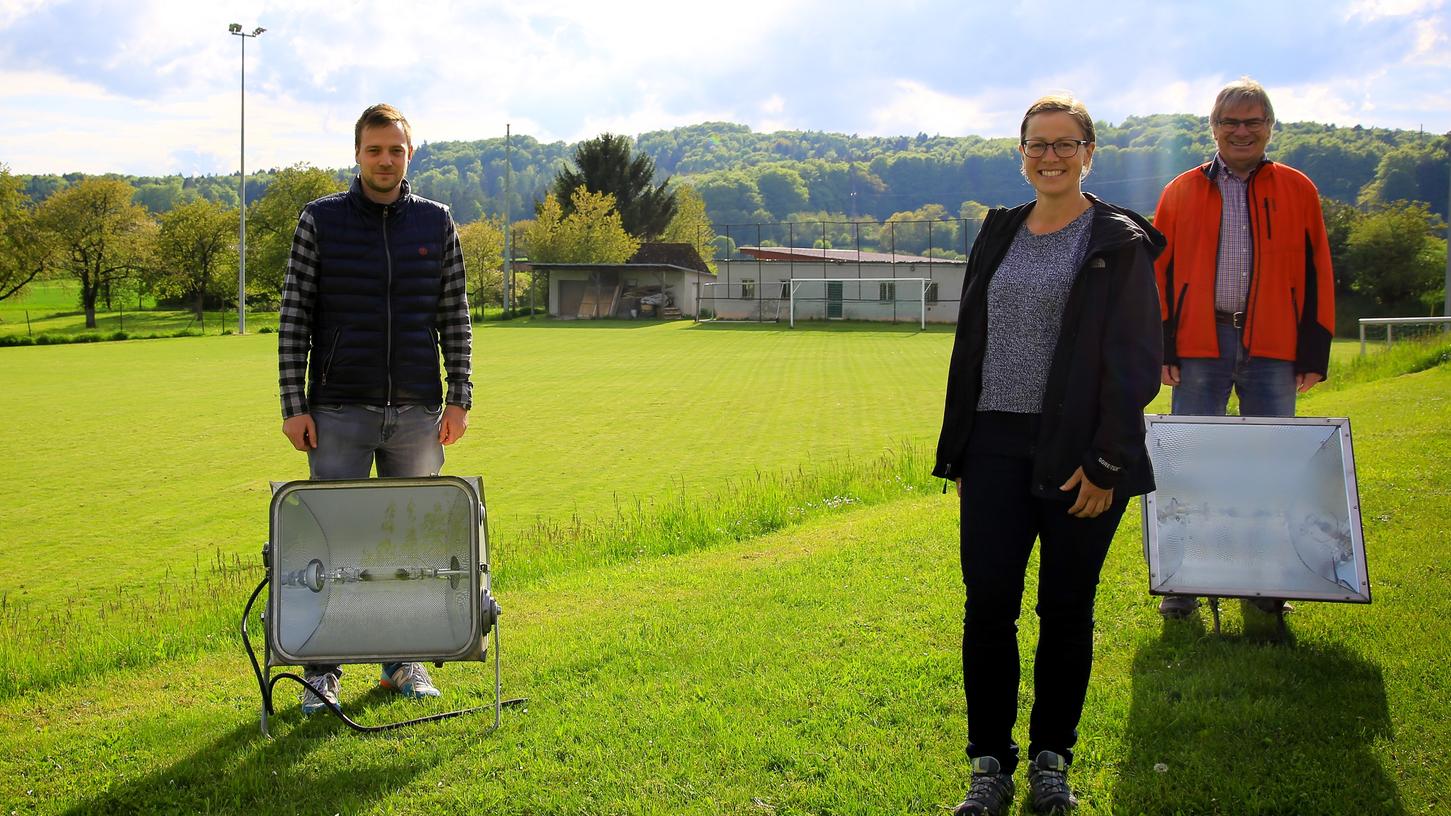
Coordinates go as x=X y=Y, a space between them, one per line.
x=742 y=301
x=891 y=300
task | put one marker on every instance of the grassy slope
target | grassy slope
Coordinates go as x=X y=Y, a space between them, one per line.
x=815 y=671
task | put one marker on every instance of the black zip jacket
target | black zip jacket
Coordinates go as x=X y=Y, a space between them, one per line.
x=1105 y=367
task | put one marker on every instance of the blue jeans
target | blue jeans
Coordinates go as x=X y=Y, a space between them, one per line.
x=1265 y=387
x=401 y=439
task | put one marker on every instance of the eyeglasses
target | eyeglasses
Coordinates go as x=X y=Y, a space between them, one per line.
x=1252 y=125
x=1063 y=148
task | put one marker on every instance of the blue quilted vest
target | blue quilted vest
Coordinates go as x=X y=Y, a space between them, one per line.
x=375 y=320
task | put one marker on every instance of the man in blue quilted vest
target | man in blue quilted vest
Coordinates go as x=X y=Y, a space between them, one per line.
x=374 y=290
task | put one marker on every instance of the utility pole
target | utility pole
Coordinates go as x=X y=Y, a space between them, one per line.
x=236 y=30
x=508 y=279
x=1446 y=305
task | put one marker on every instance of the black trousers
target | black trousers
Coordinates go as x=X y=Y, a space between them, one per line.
x=1000 y=520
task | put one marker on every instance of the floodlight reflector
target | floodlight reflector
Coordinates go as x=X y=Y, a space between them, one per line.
x=1254 y=507
x=376 y=570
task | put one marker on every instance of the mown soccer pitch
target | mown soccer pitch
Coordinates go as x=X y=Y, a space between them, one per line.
x=808 y=669
x=130 y=461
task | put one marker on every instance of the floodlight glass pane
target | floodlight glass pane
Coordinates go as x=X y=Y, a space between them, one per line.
x=1254 y=507
x=375 y=570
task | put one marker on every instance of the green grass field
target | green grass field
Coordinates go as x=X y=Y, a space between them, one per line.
x=805 y=662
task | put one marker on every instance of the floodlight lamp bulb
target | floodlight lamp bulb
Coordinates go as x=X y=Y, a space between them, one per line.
x=315 y=575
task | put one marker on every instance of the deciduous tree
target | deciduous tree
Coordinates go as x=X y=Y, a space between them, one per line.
x=24 y=249
x=592 y=233
x=482 y=242
x=272 y=220
x=99 y=236
x=691 y=224
x=1394 y=256
x=196 y=245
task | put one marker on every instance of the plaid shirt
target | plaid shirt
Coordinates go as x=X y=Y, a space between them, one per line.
x=1236 y=240
x=299 y=293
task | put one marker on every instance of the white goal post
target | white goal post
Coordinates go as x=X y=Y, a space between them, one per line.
x=871 y=297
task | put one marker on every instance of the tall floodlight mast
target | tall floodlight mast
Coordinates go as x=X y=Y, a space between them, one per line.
x=236 y=30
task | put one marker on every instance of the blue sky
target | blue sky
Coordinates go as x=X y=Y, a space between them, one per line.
x=151 y=86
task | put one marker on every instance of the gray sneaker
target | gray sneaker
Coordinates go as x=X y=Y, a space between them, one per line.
x=1178 y=607
x=991 y=792
x=1048 y=790
x=320 y=687
x=409 y=680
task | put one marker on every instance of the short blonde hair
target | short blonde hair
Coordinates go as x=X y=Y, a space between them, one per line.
x=1059 y=103
x=1238 y=92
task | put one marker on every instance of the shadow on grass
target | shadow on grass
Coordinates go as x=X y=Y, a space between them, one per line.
x=1234 y=724
x=243 y=771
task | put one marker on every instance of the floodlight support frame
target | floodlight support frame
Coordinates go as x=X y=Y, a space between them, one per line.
x=267 y=683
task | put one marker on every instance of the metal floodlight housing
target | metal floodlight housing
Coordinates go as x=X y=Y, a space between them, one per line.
x=1254 y=507
x=376 y=571
x=235 y=28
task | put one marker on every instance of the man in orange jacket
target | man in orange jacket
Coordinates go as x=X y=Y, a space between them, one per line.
x=1245 y=286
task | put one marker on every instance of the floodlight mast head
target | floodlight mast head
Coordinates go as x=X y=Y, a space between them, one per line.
x=235 y=28
x=376 y=570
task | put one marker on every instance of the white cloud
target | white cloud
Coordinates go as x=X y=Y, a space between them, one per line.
x=912 y=107
x=152 y=84
x=1341 y=103
x=1379 y=9
x=1152 y=95
x=12 y=10
x=648 y=115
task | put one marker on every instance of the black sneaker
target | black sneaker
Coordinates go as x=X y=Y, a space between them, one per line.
x=1048 y=790
x=991 y=793
x=1178 y=607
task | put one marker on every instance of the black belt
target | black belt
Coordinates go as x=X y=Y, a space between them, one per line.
x=1235 y=319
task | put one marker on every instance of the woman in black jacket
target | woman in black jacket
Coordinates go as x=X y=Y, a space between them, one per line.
x=1057 y=353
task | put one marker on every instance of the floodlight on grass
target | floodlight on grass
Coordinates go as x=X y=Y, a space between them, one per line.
x=1254 y=507
x=376 y=571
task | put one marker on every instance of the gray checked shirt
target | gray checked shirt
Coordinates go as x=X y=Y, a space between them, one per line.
x=1236 y=240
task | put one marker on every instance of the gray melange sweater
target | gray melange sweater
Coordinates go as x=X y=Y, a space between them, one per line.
x=1025 y=308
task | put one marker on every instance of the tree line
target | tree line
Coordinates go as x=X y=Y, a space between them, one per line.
x=1385 y=199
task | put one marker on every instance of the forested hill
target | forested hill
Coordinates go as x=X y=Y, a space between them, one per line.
x=749 y=177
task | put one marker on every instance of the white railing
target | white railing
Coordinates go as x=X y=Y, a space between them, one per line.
x=1391 y=322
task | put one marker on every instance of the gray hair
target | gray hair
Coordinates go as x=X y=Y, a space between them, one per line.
x=1238 y=92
